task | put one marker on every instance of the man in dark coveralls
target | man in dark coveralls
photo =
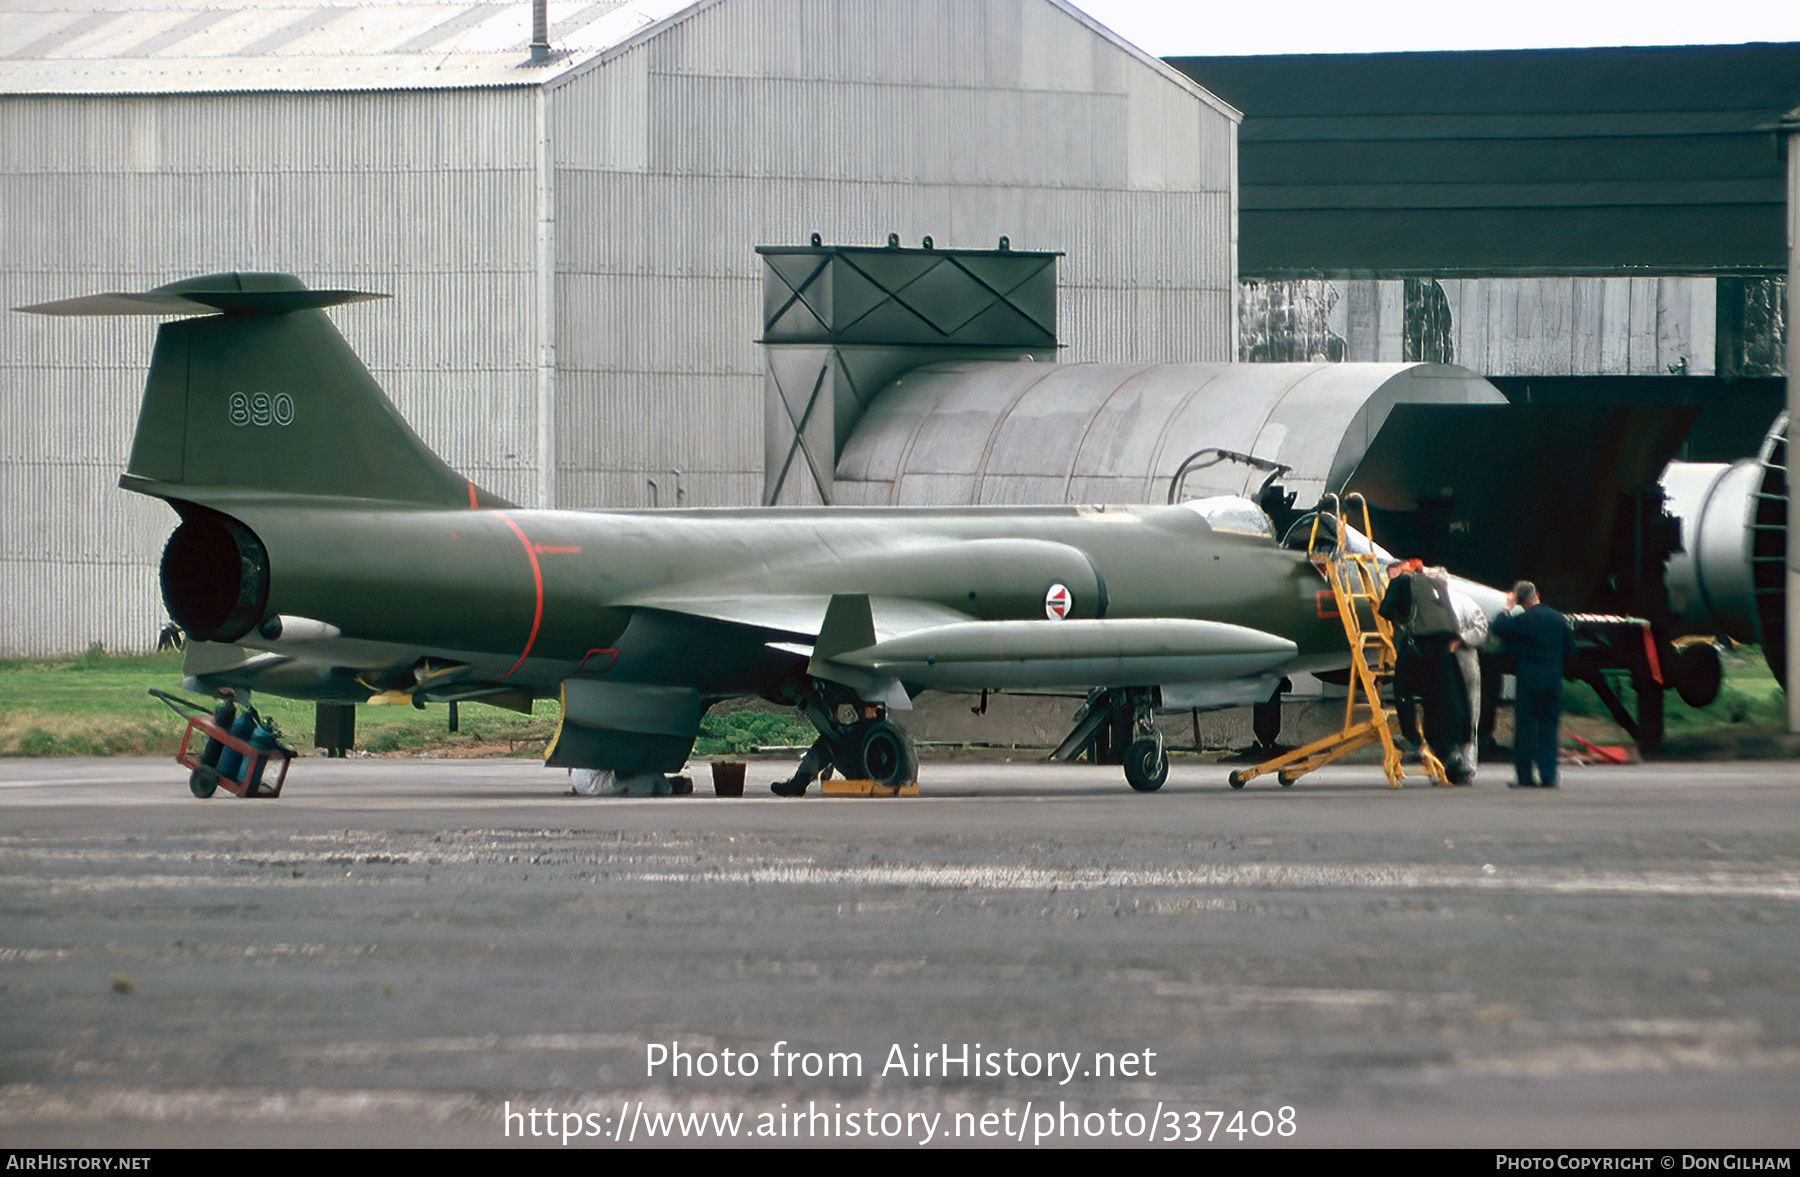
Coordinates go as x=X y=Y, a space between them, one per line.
x=1543 y=641
x=1429 y=692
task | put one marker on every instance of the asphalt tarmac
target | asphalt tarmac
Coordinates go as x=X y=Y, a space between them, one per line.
x=457 y=953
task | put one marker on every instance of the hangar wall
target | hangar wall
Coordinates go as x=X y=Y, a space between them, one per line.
x=409 y=193
x=1543 y=326
x=642 y=179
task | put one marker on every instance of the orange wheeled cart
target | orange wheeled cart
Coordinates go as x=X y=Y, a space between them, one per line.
x=233 y=750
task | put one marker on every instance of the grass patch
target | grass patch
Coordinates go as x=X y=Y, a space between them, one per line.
x=94 y=704
x=90 y=705
x=1750 y=697
x=481 y=731
x=735 y=732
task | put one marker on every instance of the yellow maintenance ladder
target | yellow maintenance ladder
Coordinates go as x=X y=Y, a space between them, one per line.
x=1357 y=581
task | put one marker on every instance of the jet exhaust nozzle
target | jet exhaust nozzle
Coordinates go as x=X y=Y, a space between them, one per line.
x=215 y=577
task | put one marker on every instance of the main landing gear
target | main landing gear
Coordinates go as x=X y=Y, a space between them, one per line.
x=855 y=738
x=1121 y=716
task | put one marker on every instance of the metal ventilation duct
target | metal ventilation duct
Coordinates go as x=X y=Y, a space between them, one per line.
x=841 y=321
x=971 y=432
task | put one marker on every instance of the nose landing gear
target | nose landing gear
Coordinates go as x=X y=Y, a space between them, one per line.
x=1146 y=759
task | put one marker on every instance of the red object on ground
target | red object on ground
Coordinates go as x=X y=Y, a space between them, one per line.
x=1608 y=754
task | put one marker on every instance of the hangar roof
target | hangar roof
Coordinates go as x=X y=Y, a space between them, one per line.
x=209 y=46
x=202 y=46
x=1636 y=160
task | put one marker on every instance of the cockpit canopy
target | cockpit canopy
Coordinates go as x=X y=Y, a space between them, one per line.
x=1232 y=513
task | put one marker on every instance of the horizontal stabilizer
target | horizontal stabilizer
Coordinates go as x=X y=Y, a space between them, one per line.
x=233 y=294
x=248 y=303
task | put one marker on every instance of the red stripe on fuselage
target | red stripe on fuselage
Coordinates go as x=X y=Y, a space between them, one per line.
x=537 y=575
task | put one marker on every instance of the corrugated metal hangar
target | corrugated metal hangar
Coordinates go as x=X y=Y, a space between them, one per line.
x=569 y=236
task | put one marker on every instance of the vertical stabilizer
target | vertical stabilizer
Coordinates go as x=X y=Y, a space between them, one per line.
x=262 y=394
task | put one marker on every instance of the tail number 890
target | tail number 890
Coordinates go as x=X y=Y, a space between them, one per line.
x=259 y=408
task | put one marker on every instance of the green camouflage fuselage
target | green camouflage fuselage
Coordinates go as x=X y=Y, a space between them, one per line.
x=530 y=598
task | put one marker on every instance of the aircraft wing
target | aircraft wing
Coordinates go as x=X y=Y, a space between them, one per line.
x=798 y=615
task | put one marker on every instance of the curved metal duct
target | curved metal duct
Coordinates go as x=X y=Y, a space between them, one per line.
x=1027 y=432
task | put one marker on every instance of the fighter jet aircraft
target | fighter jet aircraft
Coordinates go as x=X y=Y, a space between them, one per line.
x=328 y=554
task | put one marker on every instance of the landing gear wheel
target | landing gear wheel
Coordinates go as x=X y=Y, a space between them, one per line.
x=888 y=757
x=1698 y=673
x=1146 y=765
x=1287 y=777
x=203 y=783
x=1240 y=778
